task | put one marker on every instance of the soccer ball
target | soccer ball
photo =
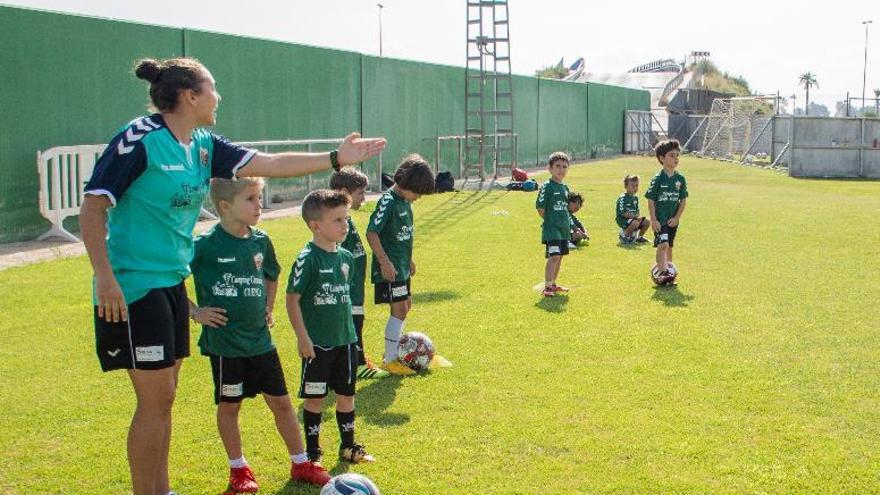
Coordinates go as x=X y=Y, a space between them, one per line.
x=664 y=281
x=627 y=239
x=415 y=350
x=350 y=484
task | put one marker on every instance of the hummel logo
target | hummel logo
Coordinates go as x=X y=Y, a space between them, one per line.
x=329 y=270
x=114 y=353
x=225 y=260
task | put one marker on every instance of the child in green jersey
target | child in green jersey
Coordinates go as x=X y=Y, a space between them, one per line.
x=579 y=233
x=552 y=206
x=667 y=197
x=236 y=278
x=319 y=308
x=354 y=183
x=632 y=225
x=390 y=235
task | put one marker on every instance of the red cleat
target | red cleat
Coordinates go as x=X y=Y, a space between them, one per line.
x=241 y=480
x=559 y=288
x=548 y=292
x=309 y=472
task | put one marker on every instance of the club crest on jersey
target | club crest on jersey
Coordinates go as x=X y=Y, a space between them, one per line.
x=203 y=157
x=344 y=269
x=678 y=185
x=258 y=261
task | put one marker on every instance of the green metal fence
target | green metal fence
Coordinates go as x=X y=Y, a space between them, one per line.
x=68 y=81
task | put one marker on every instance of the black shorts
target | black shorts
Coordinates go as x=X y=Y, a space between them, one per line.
x=555 y=248
x=389 y=292
x=666 y=234
x=154 y=337
x=332 y=368
x=238 y=377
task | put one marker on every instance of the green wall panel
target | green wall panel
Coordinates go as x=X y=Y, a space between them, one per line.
x=525 y=119
x=67 y=80
x=411 y=104
x=273 y=90
x=562 y=118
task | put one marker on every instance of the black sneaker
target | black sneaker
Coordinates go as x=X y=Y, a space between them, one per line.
x=642 y=240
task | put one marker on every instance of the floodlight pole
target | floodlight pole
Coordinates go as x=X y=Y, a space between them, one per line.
x=380 y=27
x=865 y=69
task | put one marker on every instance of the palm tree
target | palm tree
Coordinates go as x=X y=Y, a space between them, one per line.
x=808 y=80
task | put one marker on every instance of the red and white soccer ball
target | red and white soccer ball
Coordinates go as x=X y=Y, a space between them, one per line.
x=350 y=484
x=667 y=280
x=415 y=350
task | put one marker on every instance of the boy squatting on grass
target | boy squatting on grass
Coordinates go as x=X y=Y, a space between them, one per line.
x=390 y=235
x=627 y=213
x=354 y=183
x=236 y=278
x=667 y=197
x=319 y=308
x=552 y=206
x=579 y=233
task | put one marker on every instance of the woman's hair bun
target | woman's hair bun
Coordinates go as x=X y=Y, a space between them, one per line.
x=148 y=69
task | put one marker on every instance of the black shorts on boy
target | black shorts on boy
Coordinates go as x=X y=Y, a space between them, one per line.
x=556 y=248
x=666 y=234
x=237 y=378
x=332 y=368
x=389 y=292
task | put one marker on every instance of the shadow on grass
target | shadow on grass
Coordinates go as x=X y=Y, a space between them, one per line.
x=631 y=246
x=374 y=400
x=455 y=209
x=435 y=296
x=555 y=304
x=672 y=296
x=298 y=488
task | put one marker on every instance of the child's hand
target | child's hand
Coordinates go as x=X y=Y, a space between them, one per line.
x=211 y=317
x=655 y=226
x=306 y=348
x=270 y=320
x=412 y=268
x=388 y=271
x=673 y=222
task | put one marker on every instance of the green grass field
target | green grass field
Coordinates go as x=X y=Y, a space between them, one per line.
x=757 y=374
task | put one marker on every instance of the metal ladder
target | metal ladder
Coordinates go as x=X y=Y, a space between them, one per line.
x=488 y=90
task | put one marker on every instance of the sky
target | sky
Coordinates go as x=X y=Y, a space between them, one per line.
x=769 y=43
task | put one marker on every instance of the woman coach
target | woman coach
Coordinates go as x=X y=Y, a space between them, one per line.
x=137 y=218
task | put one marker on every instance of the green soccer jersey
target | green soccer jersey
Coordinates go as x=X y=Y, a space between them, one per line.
x=553 y=199
x=323 y=281
x=393 y=221
x=626 y=203
x=358 y=271
x=157 y=186
x=666 y=192
x=229 y=273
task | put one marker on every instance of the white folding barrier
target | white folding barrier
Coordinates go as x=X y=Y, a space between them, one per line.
x=64 y=172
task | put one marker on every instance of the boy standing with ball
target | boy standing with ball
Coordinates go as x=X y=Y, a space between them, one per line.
x=667 y=197
x=390 y=235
